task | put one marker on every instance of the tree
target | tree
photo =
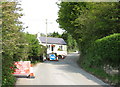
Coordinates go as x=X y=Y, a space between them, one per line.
x=42 y=35
x=71 y=42
x=16 y=45
x=0 y=42
x=35 y=50
x=11 y=30
x=88 y=22
x=54 y=34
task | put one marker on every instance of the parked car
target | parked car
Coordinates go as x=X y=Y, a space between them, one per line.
x=61 y=56
x=52 y=56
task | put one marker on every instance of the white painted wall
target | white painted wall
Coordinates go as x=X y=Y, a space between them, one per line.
x=55 y=49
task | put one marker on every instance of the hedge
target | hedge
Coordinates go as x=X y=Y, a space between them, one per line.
x=105 y=51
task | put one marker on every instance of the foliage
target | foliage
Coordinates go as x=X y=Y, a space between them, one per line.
x=105 y=51
x=108 y=49
x=42 y=35
x=54 y=34
x=100 y=73
x=0 y=44
x=11 y=28
x=35 y=49
x=88 y=22
x=16 y=45
x=71 y=42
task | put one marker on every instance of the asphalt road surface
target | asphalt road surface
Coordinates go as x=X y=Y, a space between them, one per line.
x=64 y=72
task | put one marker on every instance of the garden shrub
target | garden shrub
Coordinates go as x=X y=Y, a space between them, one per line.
x=105 y=51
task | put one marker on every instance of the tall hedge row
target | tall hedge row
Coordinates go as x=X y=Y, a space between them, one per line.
x=105 y=51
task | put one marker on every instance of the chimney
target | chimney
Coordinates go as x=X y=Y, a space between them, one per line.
x=38 y=35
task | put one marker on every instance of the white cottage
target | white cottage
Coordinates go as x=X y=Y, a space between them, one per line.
x=54 y=45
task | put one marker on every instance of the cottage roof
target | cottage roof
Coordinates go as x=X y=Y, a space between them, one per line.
x=52 y=40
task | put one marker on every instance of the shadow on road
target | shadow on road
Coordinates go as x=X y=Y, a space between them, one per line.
x=69 y=64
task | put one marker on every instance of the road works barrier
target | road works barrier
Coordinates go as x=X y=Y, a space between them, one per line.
x=31 y=72
x=23 y=69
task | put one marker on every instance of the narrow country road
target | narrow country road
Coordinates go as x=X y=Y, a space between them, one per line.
x=64 y=72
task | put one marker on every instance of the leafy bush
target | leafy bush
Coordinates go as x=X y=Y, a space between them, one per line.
x=105 y=51
x=109 y=48
x=35 y=50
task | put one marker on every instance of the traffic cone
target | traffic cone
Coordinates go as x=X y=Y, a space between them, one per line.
x=31 y=72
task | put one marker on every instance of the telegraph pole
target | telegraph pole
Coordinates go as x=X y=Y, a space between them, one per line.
x=46 y=32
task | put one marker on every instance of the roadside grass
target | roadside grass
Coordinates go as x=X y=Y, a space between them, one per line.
x=101 y=74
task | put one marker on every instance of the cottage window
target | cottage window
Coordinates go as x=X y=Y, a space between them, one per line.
x=60 y=48
x=49 y=47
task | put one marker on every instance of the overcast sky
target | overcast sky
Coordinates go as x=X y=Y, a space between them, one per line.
x=35 y=14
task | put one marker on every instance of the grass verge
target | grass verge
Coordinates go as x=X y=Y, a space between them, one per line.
x=101 y=74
